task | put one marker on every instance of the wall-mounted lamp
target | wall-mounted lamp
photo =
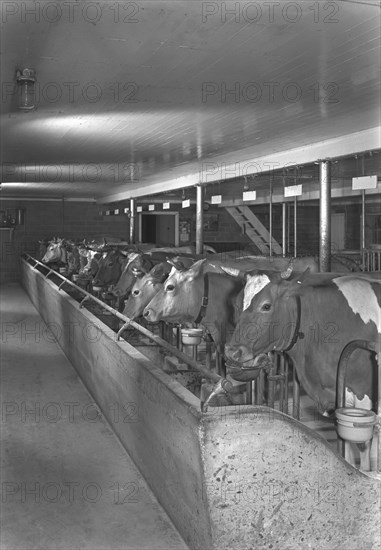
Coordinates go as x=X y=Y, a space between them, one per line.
x=26 y=80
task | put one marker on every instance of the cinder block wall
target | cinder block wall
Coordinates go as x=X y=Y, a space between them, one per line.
x=46 y=219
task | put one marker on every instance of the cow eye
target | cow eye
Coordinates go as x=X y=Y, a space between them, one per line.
x=266 y=307
x=136 y=292
x=170 y=287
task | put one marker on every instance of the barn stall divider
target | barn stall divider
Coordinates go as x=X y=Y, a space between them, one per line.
x=234 y=477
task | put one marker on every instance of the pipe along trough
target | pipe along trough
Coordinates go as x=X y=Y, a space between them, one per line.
x=234 y=477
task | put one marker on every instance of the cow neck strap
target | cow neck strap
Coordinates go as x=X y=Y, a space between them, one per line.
x=204 y=301
x=297 y=334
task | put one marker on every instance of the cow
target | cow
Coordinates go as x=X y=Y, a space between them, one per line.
x=311 y=317
x=55 y=252
x=198 y=296
x=110 y=266
x=88 y=261
x=148 y=284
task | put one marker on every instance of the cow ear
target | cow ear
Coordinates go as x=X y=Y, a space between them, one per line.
x=194 y=271
x=158 y=272
x=176 y=262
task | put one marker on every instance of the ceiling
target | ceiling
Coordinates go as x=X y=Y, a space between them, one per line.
x=133 y=98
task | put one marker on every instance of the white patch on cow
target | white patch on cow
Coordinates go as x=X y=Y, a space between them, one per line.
x=352 y=401
x=130 y=258
x=361 y=298
x=254 y=284
x=172 y=272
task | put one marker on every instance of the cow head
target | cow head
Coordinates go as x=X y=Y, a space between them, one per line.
x=267 y=324
x=134 y=266
x=55 y=252
x=144 y=289
x=73 y=259
x=179 y=299
x=109 y=268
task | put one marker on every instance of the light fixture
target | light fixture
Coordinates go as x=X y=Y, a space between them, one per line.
x=26 y=80
x=246 y=186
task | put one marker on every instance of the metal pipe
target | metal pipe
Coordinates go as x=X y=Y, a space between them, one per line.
x=132 y=221
x=325 y=216
x=340 y=386
x=288 y=226
x=342 y=368
x=295 y=395
x=271 y=217
x=363 y=214
x=199 y=220
x=284 y=235
x=295 y=227
x=286 y=365
x=363 y=226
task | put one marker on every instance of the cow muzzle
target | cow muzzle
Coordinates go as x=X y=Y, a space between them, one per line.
x=242 y=365
x=150 y=315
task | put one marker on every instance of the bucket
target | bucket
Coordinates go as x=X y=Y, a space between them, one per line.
x=97 y=288
x=191 y=336
x=355 y=425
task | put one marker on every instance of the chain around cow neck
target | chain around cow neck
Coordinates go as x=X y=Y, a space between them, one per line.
x=204 y=301
x=297 y=334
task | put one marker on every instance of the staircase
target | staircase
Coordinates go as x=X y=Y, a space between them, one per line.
x=254 y=229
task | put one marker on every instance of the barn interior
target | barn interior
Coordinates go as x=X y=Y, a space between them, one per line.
x=227 y=124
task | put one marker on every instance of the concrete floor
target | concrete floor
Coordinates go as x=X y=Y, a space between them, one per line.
x=67 y=483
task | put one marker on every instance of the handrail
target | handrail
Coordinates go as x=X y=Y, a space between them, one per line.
x=214 y=377
x=340 y=383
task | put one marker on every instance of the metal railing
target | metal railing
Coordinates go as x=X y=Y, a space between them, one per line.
x=372 y=258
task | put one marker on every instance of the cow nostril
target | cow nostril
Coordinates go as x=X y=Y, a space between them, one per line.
x=146 y=313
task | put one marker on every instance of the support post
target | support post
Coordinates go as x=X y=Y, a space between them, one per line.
x=199 y=220
x=295 y=227
x=325 y=216
x=284 y=235
x=363 y=227
x=363 y=214
x=132 y=221
x=288 y=226
x=271 y=217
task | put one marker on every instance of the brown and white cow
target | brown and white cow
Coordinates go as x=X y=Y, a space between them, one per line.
x=312 y=318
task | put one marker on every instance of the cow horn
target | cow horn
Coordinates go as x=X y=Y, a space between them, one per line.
x=288 y=272
x=234 y=272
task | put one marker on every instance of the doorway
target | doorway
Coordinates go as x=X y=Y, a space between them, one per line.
x=159 y=228
x=337 y=232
